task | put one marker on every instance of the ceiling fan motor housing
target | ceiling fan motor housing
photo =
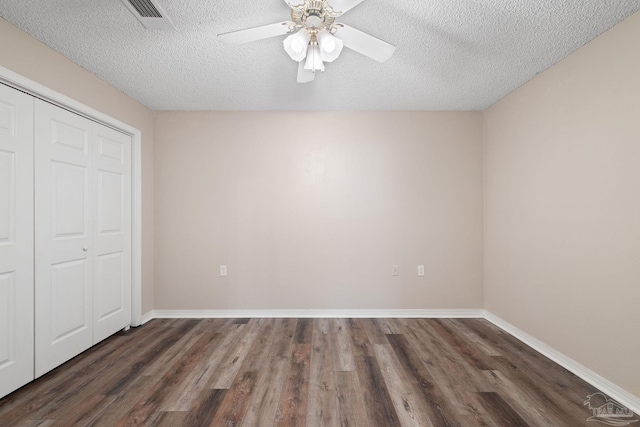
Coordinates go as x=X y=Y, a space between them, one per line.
x=314 y=14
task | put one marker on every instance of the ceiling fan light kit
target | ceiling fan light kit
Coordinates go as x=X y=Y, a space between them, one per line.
x=314 y=37
x=314 y=59
x=330 y=46
x=296 y=45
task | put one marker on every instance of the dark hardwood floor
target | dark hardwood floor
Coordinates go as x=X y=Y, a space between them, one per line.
x=305 y=372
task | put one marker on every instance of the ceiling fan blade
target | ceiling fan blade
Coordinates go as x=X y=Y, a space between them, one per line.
x=305 y=76
x=364 y=43
x=342 y=6
x=257 y=33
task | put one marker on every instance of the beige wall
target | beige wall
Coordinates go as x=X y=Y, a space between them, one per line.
x=562 y=242
x=21 y=53
x=311 y=210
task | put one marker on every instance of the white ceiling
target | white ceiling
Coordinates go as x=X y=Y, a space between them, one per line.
x=451 y=54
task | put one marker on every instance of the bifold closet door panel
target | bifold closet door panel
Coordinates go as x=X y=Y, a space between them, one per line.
x=63 y=211
x=111 y=232
x=16 y=239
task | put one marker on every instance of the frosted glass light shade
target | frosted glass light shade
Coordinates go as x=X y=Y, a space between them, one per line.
x=330 y=46
x=314 y=60
x=296 y=45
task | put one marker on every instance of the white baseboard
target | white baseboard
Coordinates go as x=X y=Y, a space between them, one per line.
x=604 y=385
x=375 y=313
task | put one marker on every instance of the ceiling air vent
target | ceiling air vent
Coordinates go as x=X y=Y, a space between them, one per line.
x=150 y=14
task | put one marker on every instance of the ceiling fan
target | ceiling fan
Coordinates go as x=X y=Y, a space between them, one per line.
x=314 y=35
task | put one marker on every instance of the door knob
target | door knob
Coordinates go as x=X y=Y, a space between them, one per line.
x=85 y=249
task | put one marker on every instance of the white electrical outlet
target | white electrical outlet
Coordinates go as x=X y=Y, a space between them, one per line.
x=421 y=270
x=223 y=270
x=395 y=270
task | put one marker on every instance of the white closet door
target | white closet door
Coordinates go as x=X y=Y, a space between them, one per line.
x=16 y=239
x=63 y=229
x=111 y=252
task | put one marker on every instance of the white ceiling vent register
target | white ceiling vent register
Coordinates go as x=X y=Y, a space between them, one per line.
x=150 y=14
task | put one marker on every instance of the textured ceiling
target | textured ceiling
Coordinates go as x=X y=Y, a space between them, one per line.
x=451 y=54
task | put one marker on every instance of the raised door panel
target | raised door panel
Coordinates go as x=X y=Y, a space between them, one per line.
x=110 y=203
x=7 y=197
x=7 y=318
x=68 y=289
x=16 y=239
x=69 y=208
x=112 y=232
x=110 y=281
x=64 y=260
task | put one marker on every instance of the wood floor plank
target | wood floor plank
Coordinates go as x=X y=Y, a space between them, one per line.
x=185 y=394
x=204 y=409
x=360 y=345
x=123 y=403
x=439 y=410
x=455 y=358
x=304 y=331
x=444 y=367
x=168 y=419
x=264 y=404
x=399 y=326
x=321 y=409
x=351 y=410
x=230 y=365
x=376 y=331
x=426 y=341
x=93 y=386
x=480 y=421
x=36 y=423
x=461 y=326
x=188 y=390
x=458 y=386
x=292 y=408
x=121 y=381
x=410 y=408
x=261 y=348
x=501 y=411
x=236 y=402
x=85 y=411
x=341 y=344
x=377 y=401
x=266 y=397
x=152 y=401
x=383 y=326
x=282 y=345
x=161 y=364
x=524 y=401
x=552 y=401
x=470 y=354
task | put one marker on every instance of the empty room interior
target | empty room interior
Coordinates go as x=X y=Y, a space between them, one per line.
x=319 y=213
